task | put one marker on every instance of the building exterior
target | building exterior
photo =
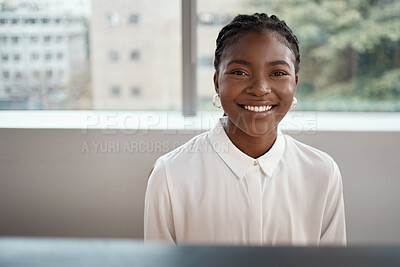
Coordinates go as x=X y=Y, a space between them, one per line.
x=43 y=52
x=136 y=54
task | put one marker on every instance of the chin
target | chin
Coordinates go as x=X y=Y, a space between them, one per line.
x=257 y=130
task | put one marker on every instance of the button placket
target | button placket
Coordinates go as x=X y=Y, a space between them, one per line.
x=255 y=205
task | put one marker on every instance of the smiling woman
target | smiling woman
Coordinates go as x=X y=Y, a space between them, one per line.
x=266 y=188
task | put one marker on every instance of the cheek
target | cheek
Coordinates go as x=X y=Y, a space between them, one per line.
x=286 y=90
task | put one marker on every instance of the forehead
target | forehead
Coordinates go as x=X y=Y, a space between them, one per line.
x=266 y=45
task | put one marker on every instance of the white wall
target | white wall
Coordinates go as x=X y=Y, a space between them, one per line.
x=50 y=187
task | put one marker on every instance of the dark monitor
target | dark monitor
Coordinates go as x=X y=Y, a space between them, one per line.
x=116 y=252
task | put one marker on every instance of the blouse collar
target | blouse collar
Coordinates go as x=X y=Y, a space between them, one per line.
x=238 y=161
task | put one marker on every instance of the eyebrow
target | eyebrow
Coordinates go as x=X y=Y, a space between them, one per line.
x=246 y=63
x=278 y=62
x=239 y=61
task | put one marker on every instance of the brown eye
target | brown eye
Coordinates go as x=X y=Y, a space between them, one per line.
x=238 y=72
x=279 y=73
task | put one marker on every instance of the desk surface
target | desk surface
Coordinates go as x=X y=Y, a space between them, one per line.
x=116 y=252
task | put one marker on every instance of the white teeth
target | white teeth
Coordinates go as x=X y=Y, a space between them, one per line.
x=258 y=108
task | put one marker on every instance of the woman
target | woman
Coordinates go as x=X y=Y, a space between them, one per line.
x=244 y=182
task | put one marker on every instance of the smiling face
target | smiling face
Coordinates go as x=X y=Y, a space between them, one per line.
x=256 y=82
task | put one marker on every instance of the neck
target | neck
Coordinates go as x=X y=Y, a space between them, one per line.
x=253 y=146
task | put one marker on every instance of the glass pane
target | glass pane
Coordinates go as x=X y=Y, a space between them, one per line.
x=350 y=50
x=82 y=54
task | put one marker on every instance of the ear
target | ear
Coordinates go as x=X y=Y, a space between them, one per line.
x=216 y=85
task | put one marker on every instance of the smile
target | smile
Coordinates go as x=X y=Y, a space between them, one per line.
x=258 y=108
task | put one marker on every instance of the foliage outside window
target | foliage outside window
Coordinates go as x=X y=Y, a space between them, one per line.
x=350 y=52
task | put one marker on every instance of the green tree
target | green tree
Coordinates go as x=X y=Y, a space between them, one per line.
x=350 y=51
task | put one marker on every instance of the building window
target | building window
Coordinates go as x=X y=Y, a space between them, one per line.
x=3 y=39
x=113 y=19
x=15 y=21
x=17 y=57
x=60 y=73
x=30 y=21
x=34 y=39
x=48 y=56
x=15 y=39
x=6 y=74
x=213 y=19
x=4 y=57
x=59 y=39
x=136 y=91
x=205 y=61
x=133 y=19
x=3 y=21
x=35 y=56
x=113 y=55
x=45 y=20
x=135 y=55
x=7 y=90
x=18 y=75
x=47 y=39
x=115 y=90
x=60 y=56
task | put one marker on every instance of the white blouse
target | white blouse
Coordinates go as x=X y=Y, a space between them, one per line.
x=209 y=192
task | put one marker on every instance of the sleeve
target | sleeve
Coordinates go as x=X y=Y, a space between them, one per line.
x=333 y=230
x=158 y=220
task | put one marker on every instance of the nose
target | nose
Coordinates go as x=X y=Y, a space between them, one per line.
x=259 y=86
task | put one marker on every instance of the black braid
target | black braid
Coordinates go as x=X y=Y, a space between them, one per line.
x=257 y=22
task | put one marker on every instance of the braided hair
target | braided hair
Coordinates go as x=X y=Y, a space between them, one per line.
x=257 y=23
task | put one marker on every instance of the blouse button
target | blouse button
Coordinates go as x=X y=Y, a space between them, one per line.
x=255 y=163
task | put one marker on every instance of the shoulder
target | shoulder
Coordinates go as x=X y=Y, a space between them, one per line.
x=309 y=157
x=191 y=148
x=186 y=156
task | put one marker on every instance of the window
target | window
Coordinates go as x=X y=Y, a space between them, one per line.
x=34 y=39
x=4 y=57
x=15 y=39
x=35 y=56
x=30 y=21
x=348 y=63
x=113 y=19
x=18 y=75
x=113 y=55
x=133 y=19
x=115 y=90
x=48 y=56
x=135 y=55
x=121 y=35
x=45 y=20
x=60 y=56
x=17 y=57
x=6 y=75
x=135 y=91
